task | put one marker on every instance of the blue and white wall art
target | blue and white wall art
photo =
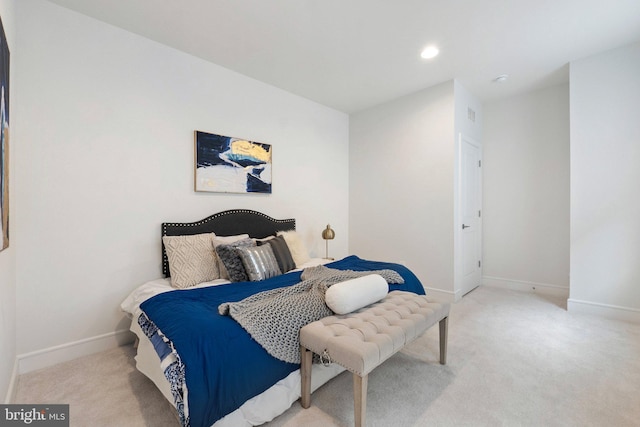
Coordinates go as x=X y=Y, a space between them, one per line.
x=231 y=165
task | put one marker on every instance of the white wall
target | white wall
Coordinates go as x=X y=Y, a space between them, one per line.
x=465 y=100
x=106 y=155
x=8 y=256
x=526 y=191
x=401 y=184
x=605 y=183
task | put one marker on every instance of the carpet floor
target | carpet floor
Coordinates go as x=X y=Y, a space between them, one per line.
x=514 y=359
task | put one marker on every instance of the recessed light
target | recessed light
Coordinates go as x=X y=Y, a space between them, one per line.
x=501 y=78
x=430 y=52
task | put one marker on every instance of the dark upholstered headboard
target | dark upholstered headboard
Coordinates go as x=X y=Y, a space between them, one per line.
x=227 y=223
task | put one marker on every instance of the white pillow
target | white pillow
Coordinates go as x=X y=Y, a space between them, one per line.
x=298 y=250
x=350 y=295
x=191 y=259
x=227 y=240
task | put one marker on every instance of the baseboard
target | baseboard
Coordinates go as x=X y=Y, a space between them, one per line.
x=11 y=392
x=616 y=312
x=526 y=286
x=440 y=295
x=62 y=353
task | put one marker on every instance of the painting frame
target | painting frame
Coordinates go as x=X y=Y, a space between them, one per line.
x=225 y=164
x=4 y=138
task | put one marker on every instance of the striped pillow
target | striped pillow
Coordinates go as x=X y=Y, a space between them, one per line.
x=259 y=262
x=282 y=253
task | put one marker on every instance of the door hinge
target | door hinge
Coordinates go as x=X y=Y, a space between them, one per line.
x=479 y=163
x=479 y=264
x=479 y=214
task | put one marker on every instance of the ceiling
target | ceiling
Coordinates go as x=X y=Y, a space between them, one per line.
x=354 y=54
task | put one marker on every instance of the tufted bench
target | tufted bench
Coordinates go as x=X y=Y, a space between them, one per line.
x=362 y=340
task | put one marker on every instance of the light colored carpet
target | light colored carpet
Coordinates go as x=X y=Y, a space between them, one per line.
x=103 y=389
x=515 y=359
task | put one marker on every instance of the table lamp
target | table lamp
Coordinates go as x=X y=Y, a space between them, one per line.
x=328 y=234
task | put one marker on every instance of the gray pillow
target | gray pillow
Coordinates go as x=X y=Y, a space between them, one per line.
x=282 y=253
x=259 y=262
x=232 y=261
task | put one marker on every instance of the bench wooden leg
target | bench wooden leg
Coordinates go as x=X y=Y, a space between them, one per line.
x=444 y=326
x=306 y=359
x=360 y=399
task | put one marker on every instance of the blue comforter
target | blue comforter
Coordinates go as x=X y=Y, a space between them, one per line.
x=224 y=366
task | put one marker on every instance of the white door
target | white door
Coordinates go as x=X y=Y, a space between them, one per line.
x=470 y=221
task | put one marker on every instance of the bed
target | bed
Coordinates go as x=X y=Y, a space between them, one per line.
x=205 y=363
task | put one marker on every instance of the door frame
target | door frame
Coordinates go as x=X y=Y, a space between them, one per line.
x=457 y=223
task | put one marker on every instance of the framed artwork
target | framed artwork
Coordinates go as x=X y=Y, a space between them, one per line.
x=226 y=164
x=4 y=140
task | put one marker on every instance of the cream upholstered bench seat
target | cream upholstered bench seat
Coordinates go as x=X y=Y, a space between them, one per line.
x=362 y=340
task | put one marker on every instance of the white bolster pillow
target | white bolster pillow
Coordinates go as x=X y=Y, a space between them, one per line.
x=350 y=295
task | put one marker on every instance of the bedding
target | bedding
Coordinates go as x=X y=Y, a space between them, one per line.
x=274 y=318
x=205 y=363
x=223 y=366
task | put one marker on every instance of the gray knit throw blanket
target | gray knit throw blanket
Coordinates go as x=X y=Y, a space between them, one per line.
x=274 y=318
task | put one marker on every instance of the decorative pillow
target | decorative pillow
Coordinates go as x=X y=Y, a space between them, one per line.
x=350 y=295
x=226 y=240
x=264 y=240
x=259 y=262
x=282 y=253
x=191 y=259
x=298 y=250
x=231 y=260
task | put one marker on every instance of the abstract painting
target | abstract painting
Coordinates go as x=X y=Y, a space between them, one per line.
x=226 y=164
x=4 y=140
